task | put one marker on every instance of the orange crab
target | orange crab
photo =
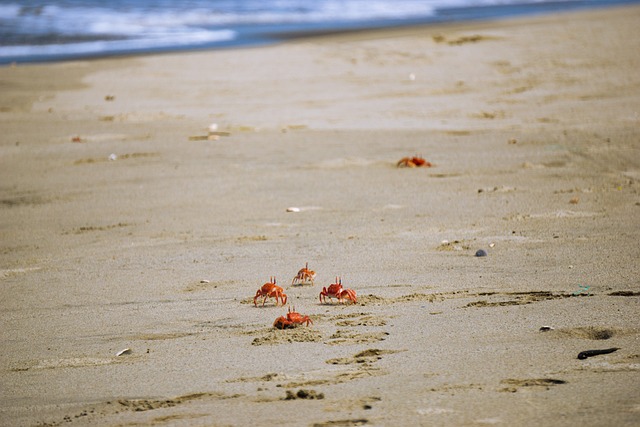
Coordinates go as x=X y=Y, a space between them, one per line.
x=413 y=162
x=270 y=290
x=335 y=290
x=304 y=276
x=292 y=320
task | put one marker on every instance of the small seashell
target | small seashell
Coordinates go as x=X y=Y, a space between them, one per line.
x=123 y=352
x=113 y=156
x=293 y=209
x=491 y=245
x=481 y=252
x=213 y=127
x=546 y=328
x=412 y=76
x=204 y=281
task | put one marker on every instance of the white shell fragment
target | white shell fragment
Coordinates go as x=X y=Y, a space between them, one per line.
x=123 y=352
x=213 y=127
x=113 y=156
x=204 y=281
x=293 y=209
x=546 y=328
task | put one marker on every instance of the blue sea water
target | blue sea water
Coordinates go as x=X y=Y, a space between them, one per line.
x=36 y=30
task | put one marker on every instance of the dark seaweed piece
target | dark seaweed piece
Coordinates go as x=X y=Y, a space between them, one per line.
x=624 y=294
x=591 y=353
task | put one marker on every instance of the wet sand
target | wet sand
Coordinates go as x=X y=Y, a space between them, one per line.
x=124 y=227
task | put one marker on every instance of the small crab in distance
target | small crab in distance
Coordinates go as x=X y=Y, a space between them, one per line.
x=413 y=162
x=270 y=290
x=335 y=290
x=292 y=320
x=304 y=276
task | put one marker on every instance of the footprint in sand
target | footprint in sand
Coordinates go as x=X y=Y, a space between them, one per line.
x=90 y=414
x=346 y=337
x=590 y=332
x=359 y=319
x=301 y=334
x=364 y=357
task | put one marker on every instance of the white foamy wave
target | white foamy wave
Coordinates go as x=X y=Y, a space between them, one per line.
x=138 y=19
x=113 y=46
x=330 y=11
x=37 y=28
x=32 y=29
x=9 y=11
x=97 y=20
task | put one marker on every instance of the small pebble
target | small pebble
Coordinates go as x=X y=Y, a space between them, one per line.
x=546 y=328
x=481 y=252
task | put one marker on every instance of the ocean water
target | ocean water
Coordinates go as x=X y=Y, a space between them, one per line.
x=33 y=30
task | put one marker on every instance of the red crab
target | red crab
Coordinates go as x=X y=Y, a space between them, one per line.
x=413 y=162
x=304 y=275
x=336 y=290
x=292 y=320
x=270 y=290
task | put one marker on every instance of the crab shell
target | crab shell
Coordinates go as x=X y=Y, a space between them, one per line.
x=292 y=320
x=304 y=275
x=413 y=162
x=270 y=290
x=282 y=323
x=349 y=294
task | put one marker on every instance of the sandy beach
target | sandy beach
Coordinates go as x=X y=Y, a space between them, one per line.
x=127 y=223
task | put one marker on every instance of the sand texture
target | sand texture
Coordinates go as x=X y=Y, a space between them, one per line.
x=126 y=223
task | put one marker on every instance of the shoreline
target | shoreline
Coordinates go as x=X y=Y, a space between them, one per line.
x=123 y=228
x=266 y=35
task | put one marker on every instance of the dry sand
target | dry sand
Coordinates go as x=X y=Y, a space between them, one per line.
x=534 y=128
